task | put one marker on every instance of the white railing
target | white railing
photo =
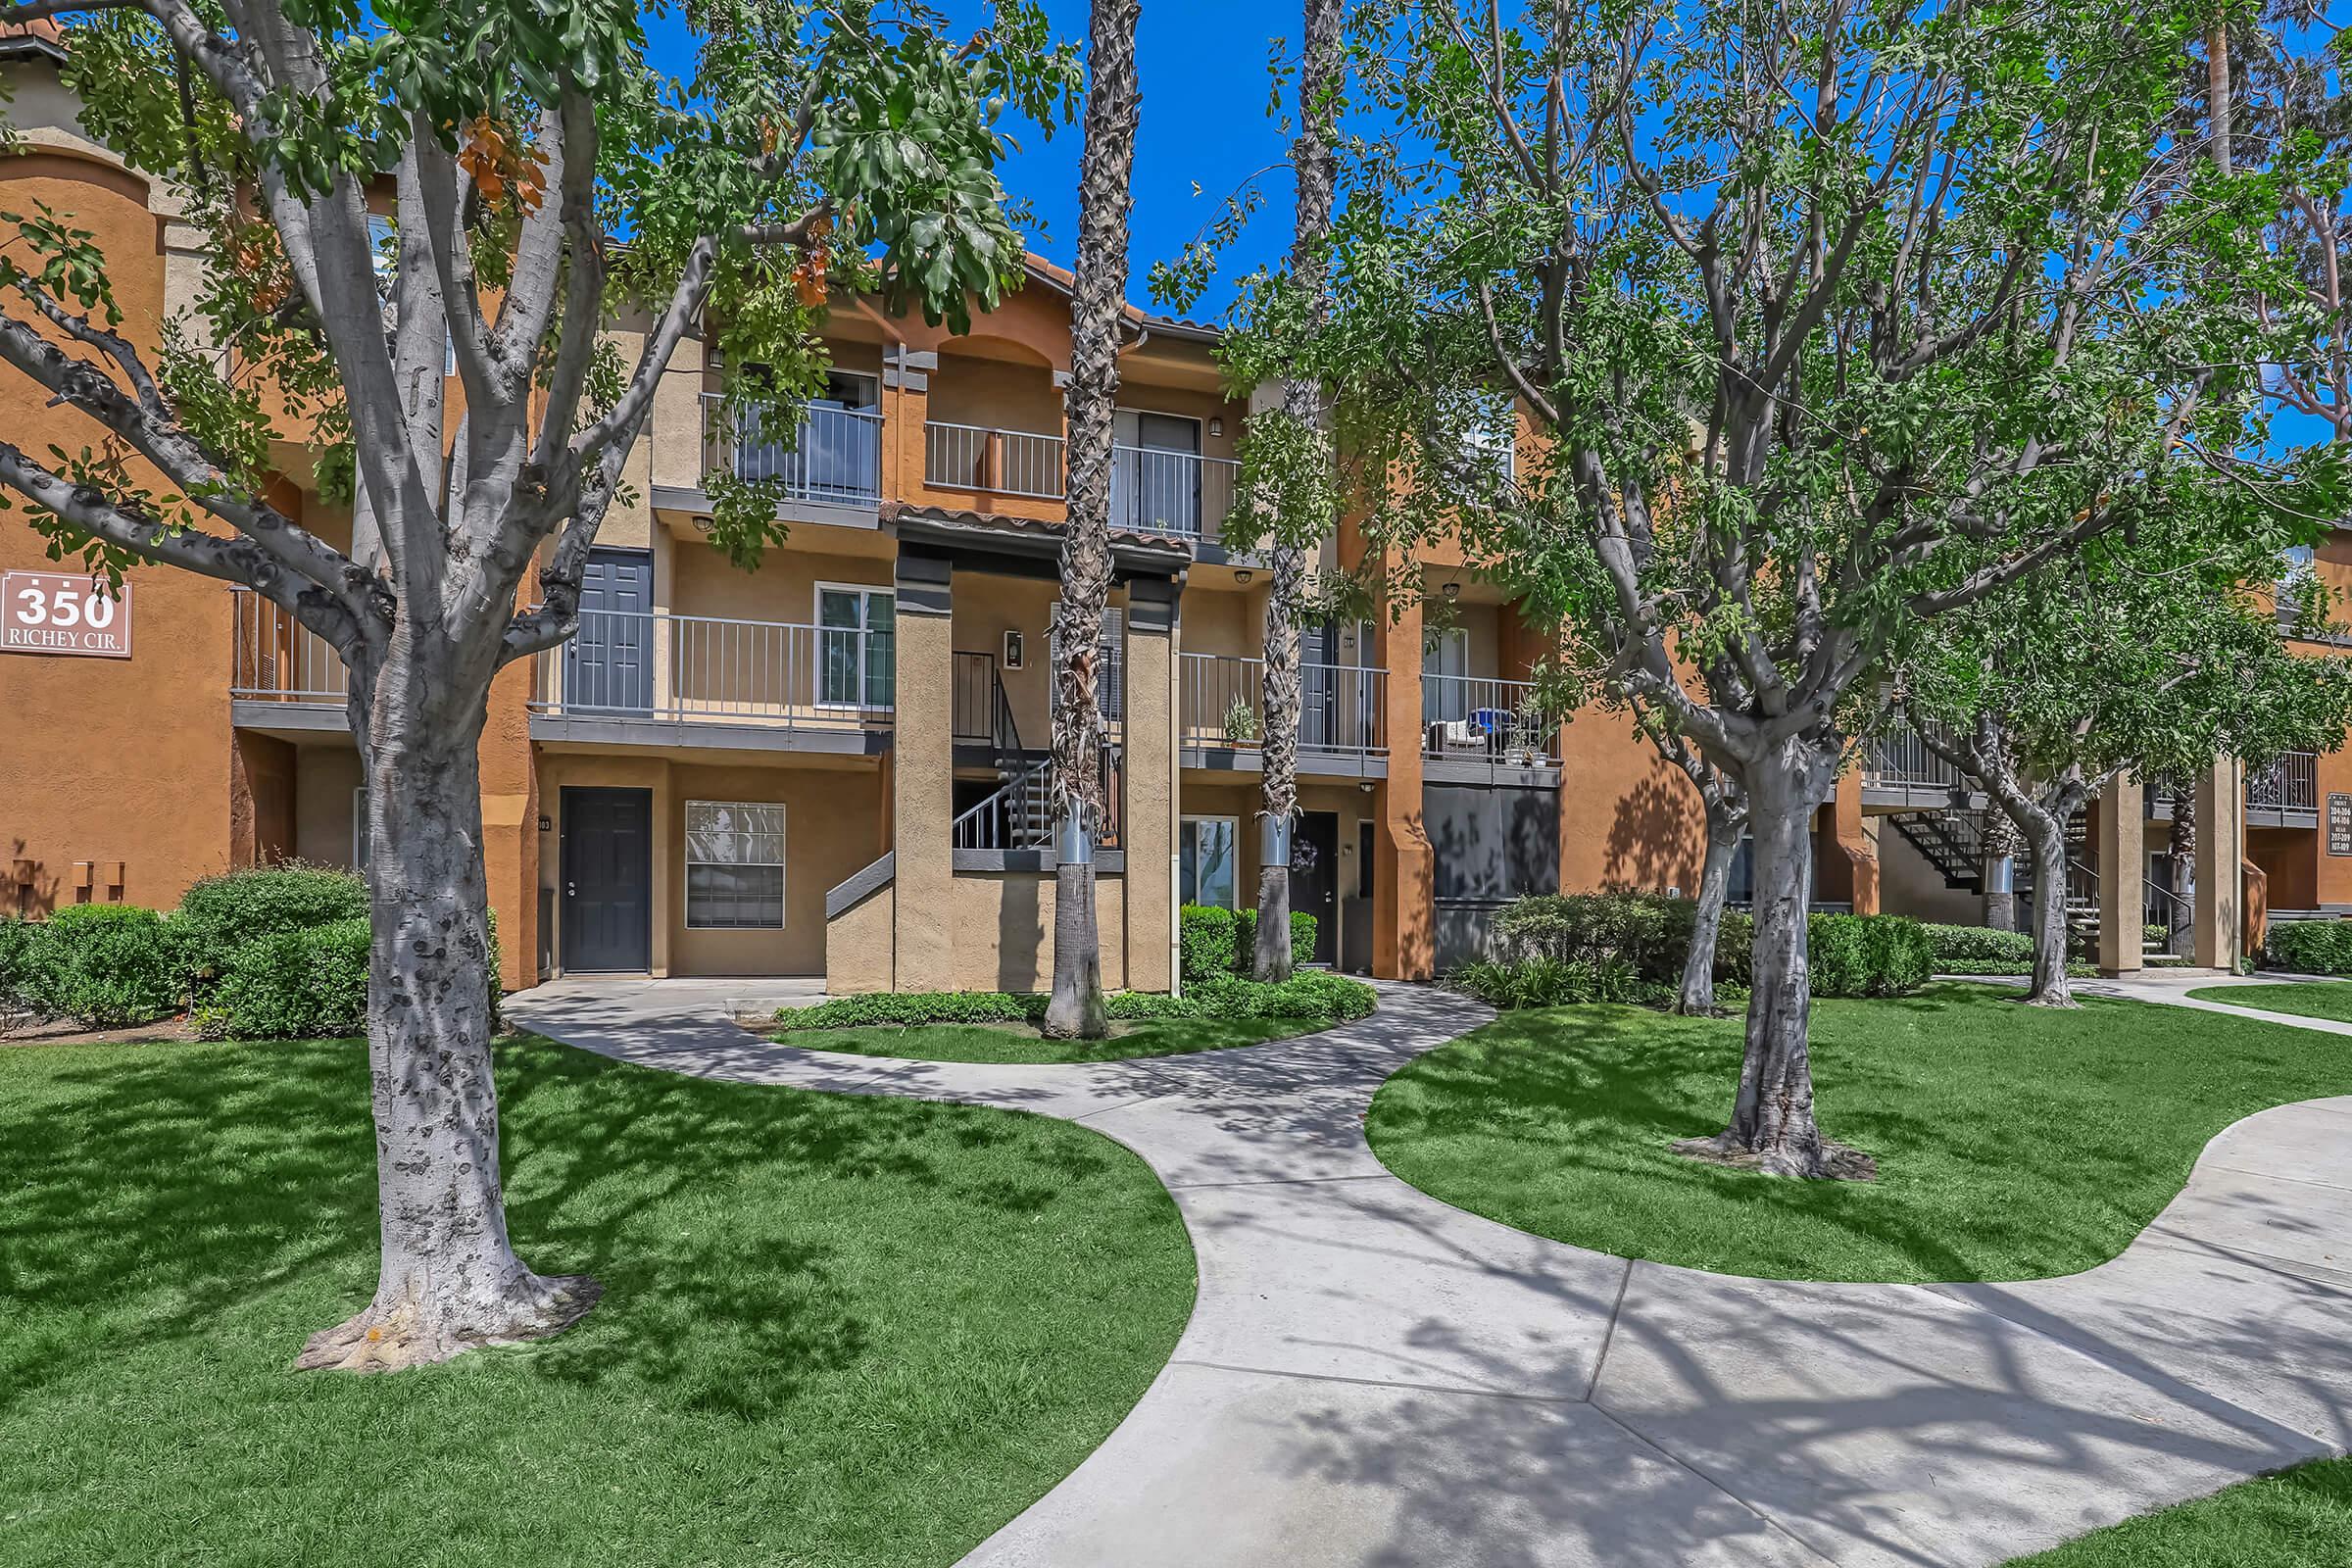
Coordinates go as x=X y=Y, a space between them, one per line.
x=274 y=658
x=819 y=451
x=997 y=461
x=1172 y=493
x=2289 y=786
x=1473 y=718
x=697 y=667
x=1341 y=707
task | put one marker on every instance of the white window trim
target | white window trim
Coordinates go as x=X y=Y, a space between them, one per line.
x=687 y=863
x=816 y=617
x=1231 y=822
x=874 y=385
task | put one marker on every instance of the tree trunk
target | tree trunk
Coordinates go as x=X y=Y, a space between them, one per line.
x=448 y=1279
x=1772 y=1119
x=1098 y=300
x=2001 y=847
x=2045 y=830
x=2183 y=914
x=1724 y=828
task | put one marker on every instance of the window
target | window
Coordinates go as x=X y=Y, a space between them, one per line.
x=857 y=649
x=734 y=866
x=1209 y=861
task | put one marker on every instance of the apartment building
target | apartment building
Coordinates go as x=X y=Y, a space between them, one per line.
x=832 y=765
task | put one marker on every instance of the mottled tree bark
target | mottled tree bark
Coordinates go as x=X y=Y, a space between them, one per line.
x=1727 y=822
x=2001 y=842
x=2045 y=830
x=2184 y=871
x=1097 y=298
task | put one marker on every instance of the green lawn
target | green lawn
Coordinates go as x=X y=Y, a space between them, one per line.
x=2013 y=1142
x=2309 y=1000
x=1021 y=1042
x=2299 y=1518
x=836 y=1331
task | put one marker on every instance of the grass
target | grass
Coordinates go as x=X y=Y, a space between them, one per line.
x=2299 y=1518
x=2013 y=1142
x=2308 y=999
x=1021 y=1042
x=836 y=1331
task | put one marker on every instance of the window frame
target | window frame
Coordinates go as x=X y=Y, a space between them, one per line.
x=1185 y=852
x=687 y=863
x=864 y=592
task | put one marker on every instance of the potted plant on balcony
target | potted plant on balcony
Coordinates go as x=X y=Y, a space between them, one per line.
x=1526 y=749
x=1241 y=722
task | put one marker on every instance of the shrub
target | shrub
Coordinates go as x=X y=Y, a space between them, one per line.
x=1310 y=993
x=1647 y=933
x=1543 y=981
x=1975 y=944
x=909 y=1007
x=104 y=966
x=1307 y=994
x=1213 y=941
x=2308 y=946
x=1868 y=954
x=221 y=914
x=295 y=984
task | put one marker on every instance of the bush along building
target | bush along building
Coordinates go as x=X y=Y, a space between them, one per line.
x=832 y=765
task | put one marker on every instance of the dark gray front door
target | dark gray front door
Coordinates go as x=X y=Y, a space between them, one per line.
x=608 y=665
x=1315 y=881
x=607 y=880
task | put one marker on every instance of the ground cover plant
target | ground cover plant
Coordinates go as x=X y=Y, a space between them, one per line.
x=855 y=1332
x=1025 y=1042
x=2012 y=1142
x=2299 y=1518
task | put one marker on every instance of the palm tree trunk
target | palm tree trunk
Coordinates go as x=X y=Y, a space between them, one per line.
x=2183 y=943
x=1302 y=402
x=2000 y=844
x=1097 y=298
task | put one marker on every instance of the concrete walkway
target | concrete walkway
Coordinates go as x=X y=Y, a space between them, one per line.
x=1373 y=1377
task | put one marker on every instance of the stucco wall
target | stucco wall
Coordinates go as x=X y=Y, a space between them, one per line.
x=1003 y=930
x=859 y=949
x=324 y=777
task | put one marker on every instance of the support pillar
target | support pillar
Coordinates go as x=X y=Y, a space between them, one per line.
x=1404 y=899
x=2220 y=848
x=1148 y=831
x=2123 y=867
x=923 y=776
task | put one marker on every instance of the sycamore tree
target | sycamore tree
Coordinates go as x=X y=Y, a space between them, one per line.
x=1829 y=318
x=2151 y=654
x=535 y=172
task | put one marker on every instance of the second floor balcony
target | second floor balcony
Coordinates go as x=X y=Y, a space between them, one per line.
x=1480 y=722
x=820 y=451
x=1343 y=717
x=628 y=677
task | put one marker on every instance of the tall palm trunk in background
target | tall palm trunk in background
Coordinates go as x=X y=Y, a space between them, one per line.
x=2182 y=913
x=1097 y=297
x=2001 y=842
x=1316 y=174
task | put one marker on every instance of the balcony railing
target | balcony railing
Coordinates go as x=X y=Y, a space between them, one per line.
x=822 y=451
x=1005 y=463
x=699 y=668
x=1900 y=760
x=1471 y=718
x=1342 y=708
x=1171 y=493
x=274 y=658
x=2289 y=786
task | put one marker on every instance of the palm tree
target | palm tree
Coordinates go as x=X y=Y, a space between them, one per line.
x=1097 y=297
x=1316 y=173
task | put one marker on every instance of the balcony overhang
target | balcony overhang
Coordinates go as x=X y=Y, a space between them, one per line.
x=1480 y=770
x=1311 y=763
x=995 y=542
x=303 y=724
x=717 y=734
x=696 y=503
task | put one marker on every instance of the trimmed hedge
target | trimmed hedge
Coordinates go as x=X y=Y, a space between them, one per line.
x=2308 y=946
x=301 y=984
x=1310 y=993
x=103 y=965
x=1977 y=944
x=220 y=914
x=1554 y=948
x=1213 y=940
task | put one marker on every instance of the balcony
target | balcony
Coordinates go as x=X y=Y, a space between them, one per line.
x=1342 y=717
x=1172 y=494
x=1477 y=730
x=1900 y=770
x=665 y=680
x=282 y=675
x=823 y=454
x=2286 y=794
x=992 y=461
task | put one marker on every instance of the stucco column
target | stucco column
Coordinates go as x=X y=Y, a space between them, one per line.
x=923 y=776
x=1404 y=908
x=511 y=824
x=2220 y=846
x=1148 y=832
x=2123 y=867
x=1850 y=869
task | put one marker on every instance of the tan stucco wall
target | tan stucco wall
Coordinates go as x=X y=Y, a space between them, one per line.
x=859 y=953
x=986 y=608
x=829 y=832
x=1003 y=930
x=923 y=790
x=1627 y=817
x=324 y=777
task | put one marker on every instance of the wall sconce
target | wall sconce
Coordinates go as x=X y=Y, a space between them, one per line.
x=1242 y=576
x=1453 y=591
x=1216 y=426
x=1364 y=785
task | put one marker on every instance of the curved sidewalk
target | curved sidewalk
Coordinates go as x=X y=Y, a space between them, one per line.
x=1373 y=1377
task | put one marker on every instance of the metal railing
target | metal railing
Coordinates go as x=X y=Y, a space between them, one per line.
x=274 y=658
x=998 y=461
x=822 y=451
x=1019 y=813
x=1900 y=760
x=982 y=714
x=1342 y=708
x=2291 y=784
x=1182 y=494
x=1473 y=718
x=697 y=667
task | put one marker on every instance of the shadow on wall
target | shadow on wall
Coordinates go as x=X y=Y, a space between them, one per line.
x=1657 y=840
x=1021 y=932
x=30 y=890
